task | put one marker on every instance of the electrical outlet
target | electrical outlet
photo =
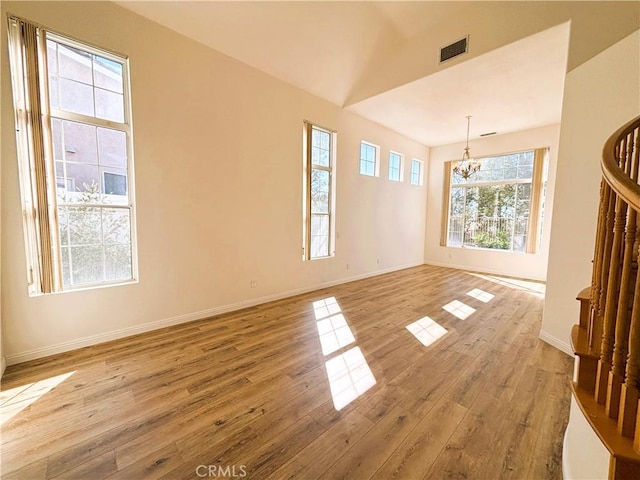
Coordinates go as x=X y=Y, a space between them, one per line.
x=347 y=266
x=254 y=283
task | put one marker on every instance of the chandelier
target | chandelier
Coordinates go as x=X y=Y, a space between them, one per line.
x=467 y=166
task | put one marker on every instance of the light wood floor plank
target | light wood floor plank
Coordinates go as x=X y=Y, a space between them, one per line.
x=251 y=389
x=364 y=458
x=325 y=450
x=415 y=455
x=152 y=466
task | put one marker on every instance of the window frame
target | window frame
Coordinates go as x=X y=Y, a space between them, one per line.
x=42 y=232
x=420 y=180
x=537 y=197
x=400 y=168
x=308 y=167
x=376 y=160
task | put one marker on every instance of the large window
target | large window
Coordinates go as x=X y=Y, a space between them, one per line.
x=319 y=152
x=75 y=158
x=395 y=166
x=369 y=159
x=498 y=207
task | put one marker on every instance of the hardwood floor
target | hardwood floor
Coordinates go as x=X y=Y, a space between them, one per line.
x=248 y=395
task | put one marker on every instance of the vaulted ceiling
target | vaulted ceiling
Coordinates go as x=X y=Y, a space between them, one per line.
x=380 y=59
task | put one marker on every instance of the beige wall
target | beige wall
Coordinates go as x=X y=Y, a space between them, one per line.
x=533 y=266
x=3 y=360
x=600 y=96
x=218 y=173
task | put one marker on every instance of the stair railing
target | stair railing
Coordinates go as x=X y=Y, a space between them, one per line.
x=607 y=339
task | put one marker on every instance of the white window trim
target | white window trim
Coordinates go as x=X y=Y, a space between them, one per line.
x=537 y=181
x=306 y=183
x=376 y=167
x=401 y=166
x=34 y=265
x=420 y=175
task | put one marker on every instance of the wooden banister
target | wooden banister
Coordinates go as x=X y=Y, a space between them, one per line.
x=623 y=185
x=607 y=339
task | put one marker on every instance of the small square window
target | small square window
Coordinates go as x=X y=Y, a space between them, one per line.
x=369 y=159
x=417 y=172
x=395 y=166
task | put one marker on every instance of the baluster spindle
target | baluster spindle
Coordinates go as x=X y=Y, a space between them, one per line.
x=595 y=325
x=610 y=310
x=606 y=250
x=629 y=395
x=613 y=288
x=623 y=318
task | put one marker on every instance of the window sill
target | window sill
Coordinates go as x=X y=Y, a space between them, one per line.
x=83 y=288
x=484 y=249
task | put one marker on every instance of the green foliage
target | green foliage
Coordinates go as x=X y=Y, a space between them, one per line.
x=90 y=193
x=499 y=241
x=95 y=240
x=319 y=191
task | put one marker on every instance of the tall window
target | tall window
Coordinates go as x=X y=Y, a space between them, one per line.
x=319 y=208
x=417 y=173
x=369 y=159
x=75 y=156
x=500 y=207
x=395 y=166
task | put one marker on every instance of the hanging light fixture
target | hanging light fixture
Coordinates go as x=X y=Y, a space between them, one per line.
x=467 y=166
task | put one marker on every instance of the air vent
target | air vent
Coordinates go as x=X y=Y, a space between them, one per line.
x=455 y=49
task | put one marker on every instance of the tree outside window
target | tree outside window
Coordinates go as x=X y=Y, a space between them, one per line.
x=494 y=208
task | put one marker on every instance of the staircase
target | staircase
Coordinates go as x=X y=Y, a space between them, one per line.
x=606 y=341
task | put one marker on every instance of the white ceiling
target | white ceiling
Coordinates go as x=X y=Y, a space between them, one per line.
x=369 y=57
x=415 y=17
x=515 y=87
x=320 y=47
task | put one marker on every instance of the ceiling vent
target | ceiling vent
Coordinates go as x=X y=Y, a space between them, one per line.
x=455 y=49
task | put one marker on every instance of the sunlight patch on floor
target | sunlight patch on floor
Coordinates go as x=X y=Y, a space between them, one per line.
x=537 y=289
x=426 y=330
x=459 y=309
x=333 y=330
x=326 y=307
x=14 y=400
x=334 y=334
x=349 y=377
x=481 y=295
x=348 y=373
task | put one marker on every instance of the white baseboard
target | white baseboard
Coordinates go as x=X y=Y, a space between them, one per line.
x=555 y=342
x=36 y=353
x=567 y=471
x=584 y=455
